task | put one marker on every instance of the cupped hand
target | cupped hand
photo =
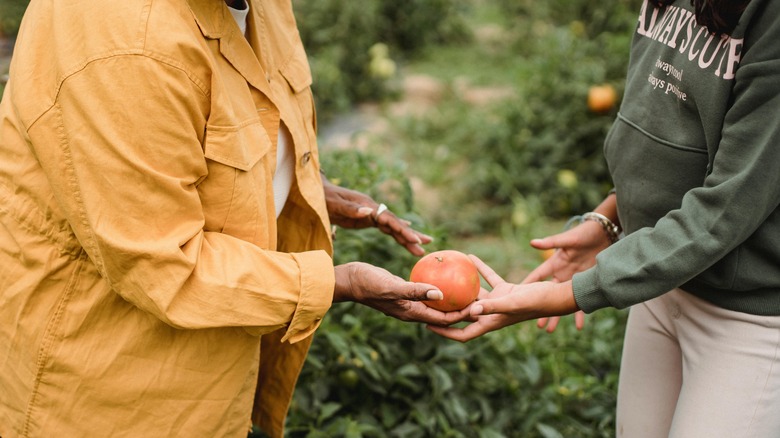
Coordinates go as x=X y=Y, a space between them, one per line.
x=509 y=304
x=352 y=209
x=379 y=289
x=575 y=251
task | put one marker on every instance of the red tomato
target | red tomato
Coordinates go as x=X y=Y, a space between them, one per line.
x=453 y=273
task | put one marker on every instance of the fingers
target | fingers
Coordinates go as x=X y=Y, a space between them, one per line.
x=511 y=303
x=424 y=238
x=363 y=212
x=552 y=323
x=560 y=240
x=487 y=272
x=402 y=232
x=414 y=311
x=415 y=249
x=414 y=246
x=391 y=224
x=465 y=334
x=579 y=319
x=482 y=325
x=541 y=272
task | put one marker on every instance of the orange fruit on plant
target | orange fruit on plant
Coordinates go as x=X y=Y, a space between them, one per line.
x=601 y=98
x=547 y=253
x=453 y=273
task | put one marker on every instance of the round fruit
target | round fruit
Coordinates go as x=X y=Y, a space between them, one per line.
x=547 y=253
x=349 y=378
x=601 y=98
x=453 y=273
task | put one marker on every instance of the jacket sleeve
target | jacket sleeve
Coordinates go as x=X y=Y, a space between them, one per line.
x=122 y=149
x=738 y=195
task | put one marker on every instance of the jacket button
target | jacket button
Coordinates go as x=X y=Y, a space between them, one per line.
x=305 y=158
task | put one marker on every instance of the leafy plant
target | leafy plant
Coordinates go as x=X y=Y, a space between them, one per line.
x=543 y=142
x=341 y=40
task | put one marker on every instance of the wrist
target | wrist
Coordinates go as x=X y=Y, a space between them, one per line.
x=611 y=230
x=546 y=299
x=608 y=207
x=567 y=302
x=342 y=291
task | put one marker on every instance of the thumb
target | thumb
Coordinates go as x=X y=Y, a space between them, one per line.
x=544 y=243
x=421 y=292
x=362 y=211
x=352 y=210
x=505 y=304
x=560 y=240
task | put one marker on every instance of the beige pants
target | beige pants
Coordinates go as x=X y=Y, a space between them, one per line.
x=693 y=370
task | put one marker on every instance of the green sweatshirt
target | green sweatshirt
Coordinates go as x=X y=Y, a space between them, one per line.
x=695 y=158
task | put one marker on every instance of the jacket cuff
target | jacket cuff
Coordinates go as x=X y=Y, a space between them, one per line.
x=318 y=281
x=587 y=293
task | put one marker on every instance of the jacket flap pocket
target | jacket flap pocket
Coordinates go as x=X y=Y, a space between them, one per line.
x=296 y=71
x=237 y=146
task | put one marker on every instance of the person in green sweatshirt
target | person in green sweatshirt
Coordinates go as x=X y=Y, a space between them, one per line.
x=690 y=237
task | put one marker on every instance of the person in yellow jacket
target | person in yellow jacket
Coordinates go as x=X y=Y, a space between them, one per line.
x=165 y=252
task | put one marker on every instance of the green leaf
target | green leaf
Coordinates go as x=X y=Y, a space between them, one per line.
x=548 y=431
x=409 y=369
x=327 y=410
x=442 y=382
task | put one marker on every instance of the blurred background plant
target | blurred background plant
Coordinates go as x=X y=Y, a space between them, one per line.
x=11 y=12
x=10 y=16
x=354 y=46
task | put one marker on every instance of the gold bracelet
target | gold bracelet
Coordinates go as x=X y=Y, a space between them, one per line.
x=612 y=230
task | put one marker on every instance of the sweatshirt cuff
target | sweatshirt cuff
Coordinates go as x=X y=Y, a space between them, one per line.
x=587 y=293
x=318 y=280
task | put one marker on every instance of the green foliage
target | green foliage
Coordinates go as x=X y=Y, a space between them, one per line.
x=372 y=376
x=11 y=12
x=341 y=39
x=597 y=16
x=412 y=25
x=369 y=375
x=543 y=142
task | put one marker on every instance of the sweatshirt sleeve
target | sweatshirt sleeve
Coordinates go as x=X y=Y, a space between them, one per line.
x=738 y=195
x=122 y=149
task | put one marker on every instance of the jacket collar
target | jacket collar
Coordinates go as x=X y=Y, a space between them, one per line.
x=210 y=16
x=215 y=22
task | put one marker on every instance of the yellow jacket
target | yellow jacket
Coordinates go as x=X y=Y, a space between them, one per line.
x=146 y=287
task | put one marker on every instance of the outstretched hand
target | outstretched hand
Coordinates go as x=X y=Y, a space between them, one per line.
x=379 y=289
x=575 y=251
x=509 y=304
x=352 y=209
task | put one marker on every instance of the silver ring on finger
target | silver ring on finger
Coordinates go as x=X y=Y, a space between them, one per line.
x=379 y=210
